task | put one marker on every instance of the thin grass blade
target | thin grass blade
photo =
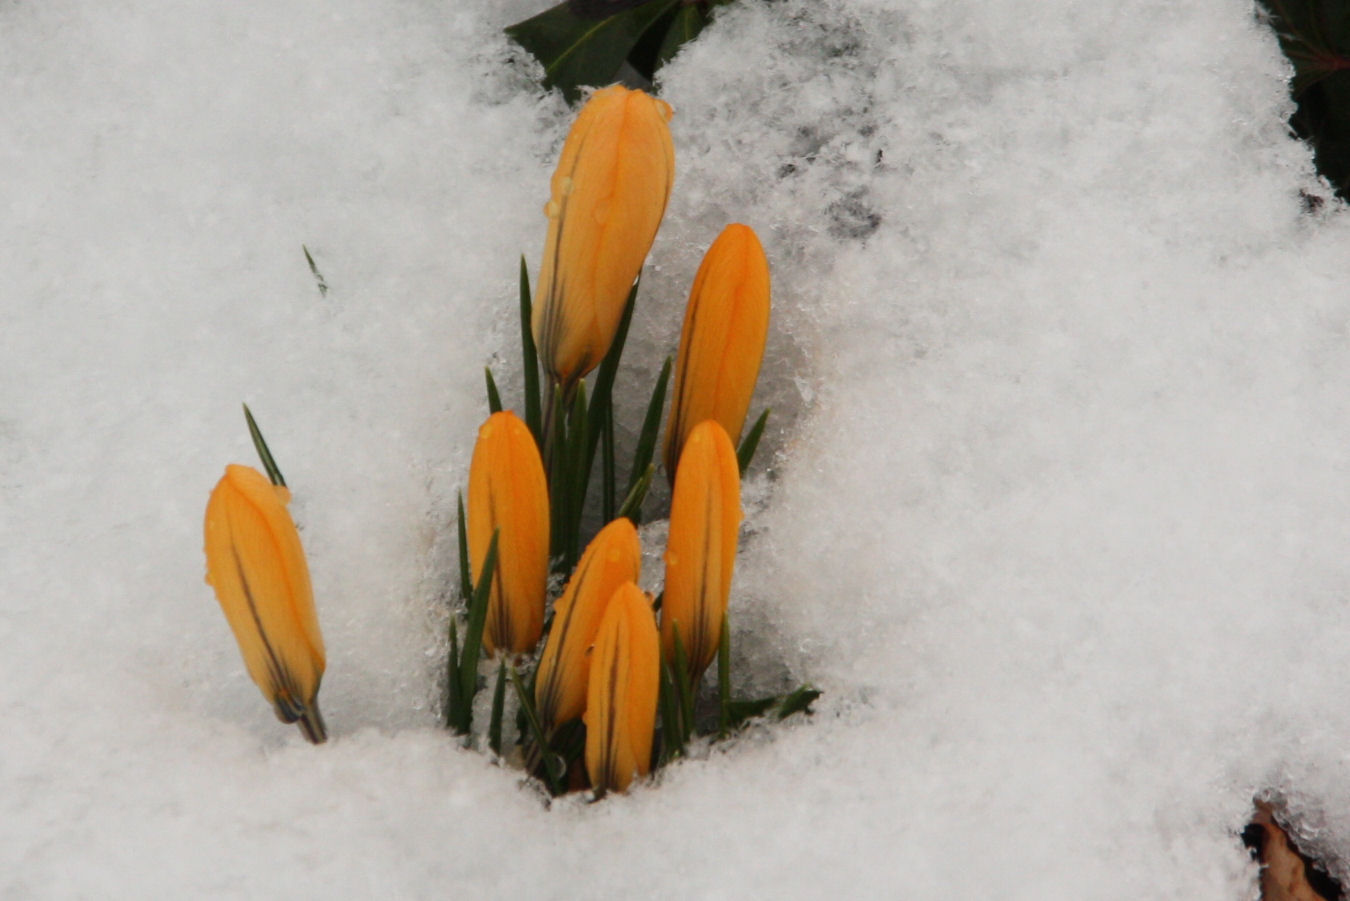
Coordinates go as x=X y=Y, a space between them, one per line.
x=746 y=453
x=493 y=396
x=651 y=425
x=530 y=359
x=264 y=454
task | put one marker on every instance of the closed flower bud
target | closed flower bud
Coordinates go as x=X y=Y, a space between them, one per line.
x=612 y=558
x=705 y=514
x=508 y=495
x=722 y=343
x=608 y=195
x=256 y=565
x=622 y=692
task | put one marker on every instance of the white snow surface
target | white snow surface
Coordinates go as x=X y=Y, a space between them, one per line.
x=1055 y=506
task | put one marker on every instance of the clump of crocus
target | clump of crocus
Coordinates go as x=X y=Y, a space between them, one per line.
x=508 y=494
x=621 y=695
x=256 y=565
x=722 y=343
x=613 y=558
x=705 y=514
x=609 y=193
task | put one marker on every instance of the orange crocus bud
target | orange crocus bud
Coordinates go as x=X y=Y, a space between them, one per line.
x=722 y=344
x=705 y=513
x=609 y=193
x=622 y=692
x=256 y=565
x=612 y=558
x=507 y=492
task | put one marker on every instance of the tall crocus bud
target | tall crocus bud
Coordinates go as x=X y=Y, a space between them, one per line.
x=256 y=565
x=705 y=513
x=722 y=344
x=612 y=558
x=608 y=195
x=622 y=692
x=507 y=492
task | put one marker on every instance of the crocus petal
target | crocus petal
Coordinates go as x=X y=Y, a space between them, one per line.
x=609 y=193
x=612 y=558
x=256 y=565
x=705 y=514
x=722 y=344
x=622 y=692
x=507 y=491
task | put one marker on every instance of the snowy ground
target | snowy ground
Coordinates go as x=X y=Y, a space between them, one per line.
x=1060 y=505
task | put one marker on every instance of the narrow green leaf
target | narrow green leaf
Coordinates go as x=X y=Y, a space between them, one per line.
x=465 y=580
x=260 y=444
x=608 y=475
x=632 y=503
x=651 y=425
x=555 y=468
x=684 y=689
x=554 y=767
x=724 y=679
x=798 y=701
x=602 y=393
x=740 y=711
x=578 y=51
x=530 y=359
x=498 y=706
x=669 y=704
x=746 y=453
x=452 y=711
x=473 y=632
x=581 y=475
x=494 y=398
x=318 y=276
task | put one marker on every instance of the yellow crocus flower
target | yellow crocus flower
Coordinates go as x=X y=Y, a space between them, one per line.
x=722 y=343
x=705 y=514
x=612 y=558
x=608 y=195
x=621 y=694
x=507 y=492
x=256 y=565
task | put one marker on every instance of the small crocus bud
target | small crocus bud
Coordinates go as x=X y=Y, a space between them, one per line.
x=705 y=513
x=608 y=195
x=256 y=565
x=612 y=558
x=622 y=692
x=507 y=492
x=722 y=343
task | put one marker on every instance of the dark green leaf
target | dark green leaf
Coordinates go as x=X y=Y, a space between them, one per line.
x=465 y=580
x=632 y=504
x=798 y=701
x=494 y=398
x=530 y=359
x=746 y=453
x=577 y=51
x=452 y=711
x=651 y=425
x=318 y=276
x=608 y=475
x=740 y=711
x=602 y=396
x=473 y=633
x=260 y=444
x=554 y=767
x=724 y=679
x=498 y=706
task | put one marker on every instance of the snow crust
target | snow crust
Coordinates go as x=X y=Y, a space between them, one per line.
x=1059 y=491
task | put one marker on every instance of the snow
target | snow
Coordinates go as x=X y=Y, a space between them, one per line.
x=1058 y=495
